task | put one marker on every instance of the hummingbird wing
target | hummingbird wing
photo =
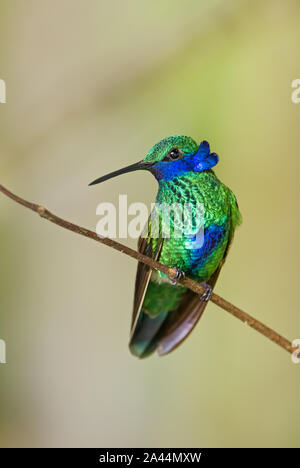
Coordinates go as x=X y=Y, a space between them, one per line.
x=146 y=247
x=180 y=322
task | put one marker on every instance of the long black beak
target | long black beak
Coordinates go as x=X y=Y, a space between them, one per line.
x=133 y=167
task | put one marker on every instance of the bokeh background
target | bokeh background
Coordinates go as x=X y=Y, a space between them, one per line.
x=91 y=86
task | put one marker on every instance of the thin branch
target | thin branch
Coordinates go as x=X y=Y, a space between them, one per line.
x=189 y=283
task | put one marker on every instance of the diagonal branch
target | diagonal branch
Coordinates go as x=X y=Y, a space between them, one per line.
x=189 y=283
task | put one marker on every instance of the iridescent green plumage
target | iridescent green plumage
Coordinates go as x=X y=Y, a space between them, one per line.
x=220 y=209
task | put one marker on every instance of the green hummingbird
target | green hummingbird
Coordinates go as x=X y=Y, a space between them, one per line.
x=164 y=311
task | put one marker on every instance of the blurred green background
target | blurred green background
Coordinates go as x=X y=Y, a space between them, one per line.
x=91 y=86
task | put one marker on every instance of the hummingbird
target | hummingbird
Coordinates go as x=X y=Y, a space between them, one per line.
x=164 y=311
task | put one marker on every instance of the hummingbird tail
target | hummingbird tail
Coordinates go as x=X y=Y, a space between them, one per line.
x=144 y=340
x=168 y=315
x=159 y=301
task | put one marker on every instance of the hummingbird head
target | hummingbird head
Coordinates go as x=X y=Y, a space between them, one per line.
x=170 y=158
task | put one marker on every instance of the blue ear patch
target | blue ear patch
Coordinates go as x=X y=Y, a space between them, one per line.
x=203 y=159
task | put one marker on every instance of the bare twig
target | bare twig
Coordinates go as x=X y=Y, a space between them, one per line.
x=189 y=283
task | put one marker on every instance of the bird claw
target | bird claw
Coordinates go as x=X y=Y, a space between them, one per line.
x=206 y=295
x=178 y=275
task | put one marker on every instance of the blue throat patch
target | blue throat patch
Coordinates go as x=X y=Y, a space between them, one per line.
x=200 y=161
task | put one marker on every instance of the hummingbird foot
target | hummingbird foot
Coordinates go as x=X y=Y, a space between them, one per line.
x=179 y=274
x=206 y=295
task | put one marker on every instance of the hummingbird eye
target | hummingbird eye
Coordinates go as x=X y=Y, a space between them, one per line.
x=174 y=154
